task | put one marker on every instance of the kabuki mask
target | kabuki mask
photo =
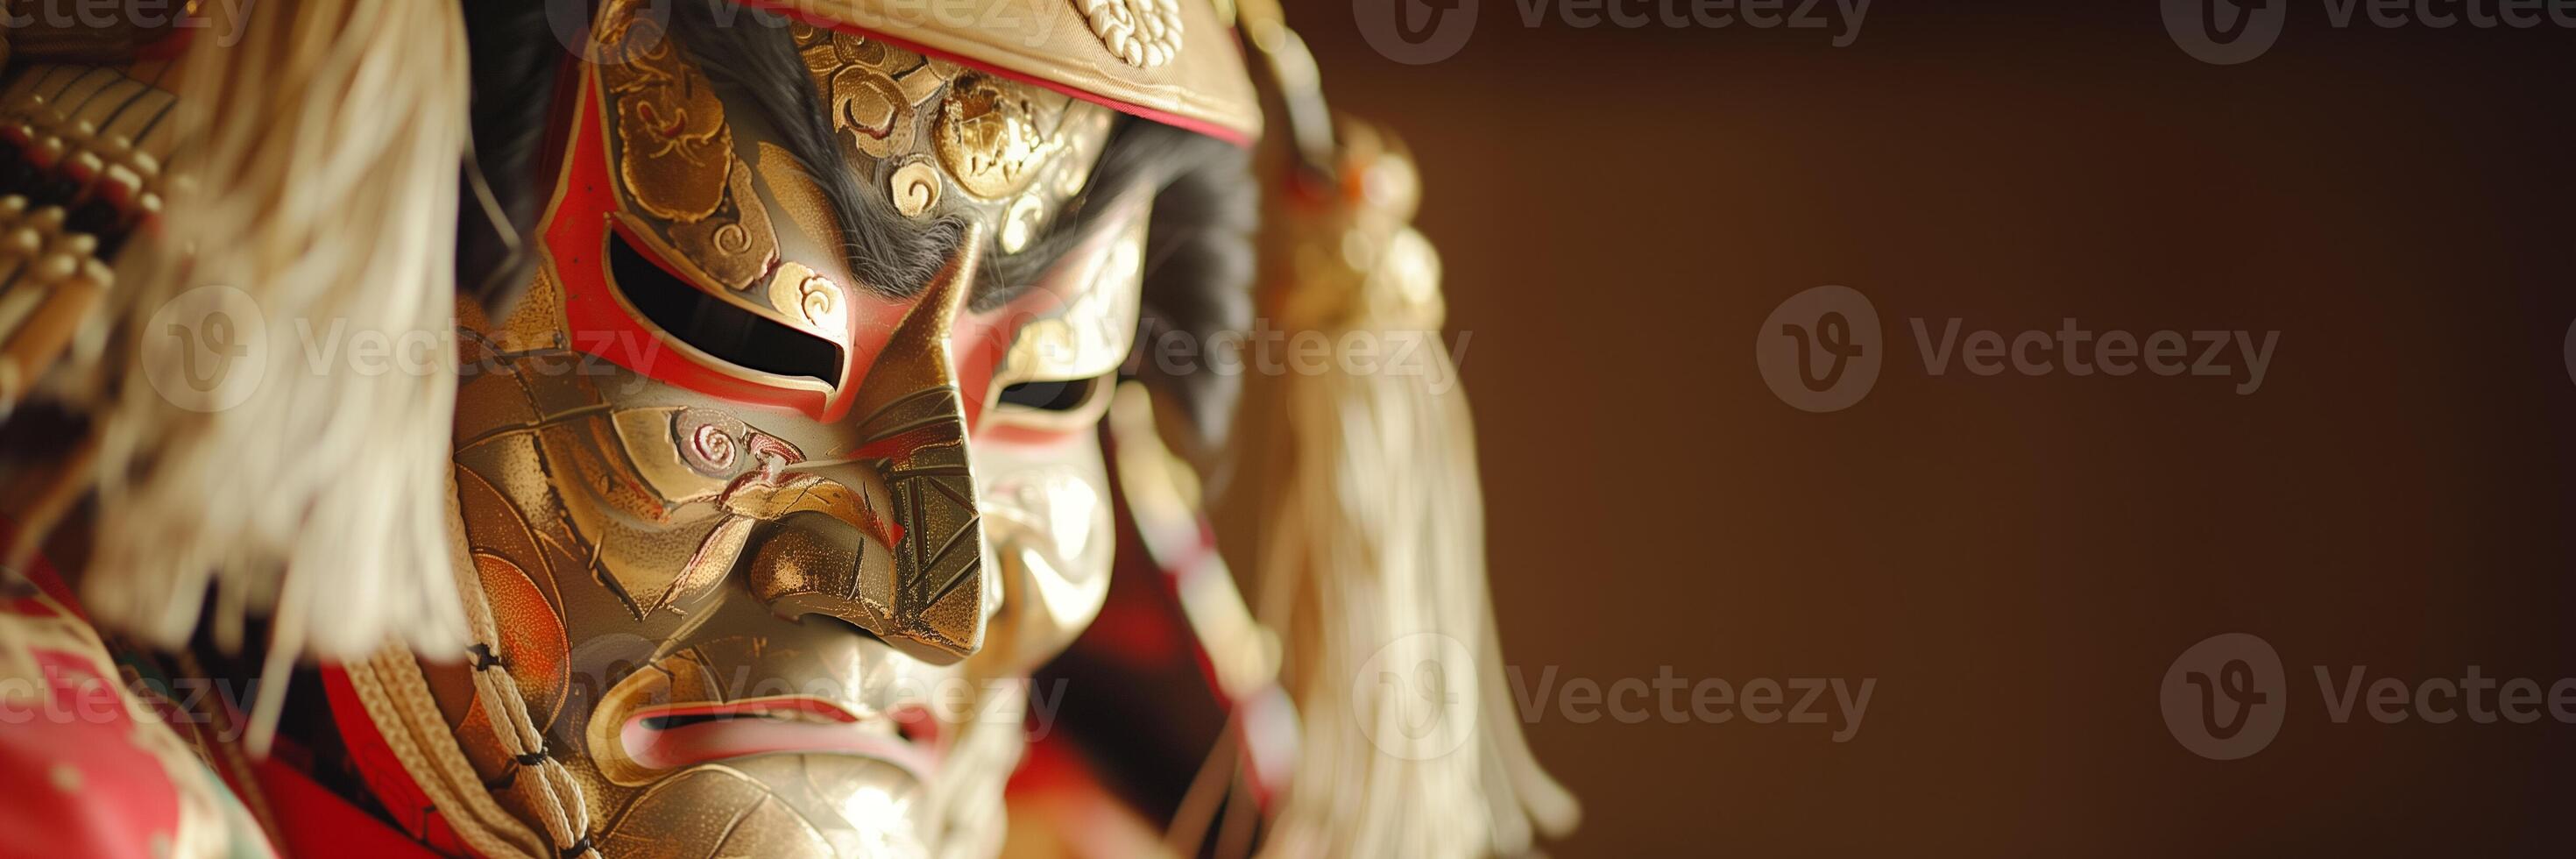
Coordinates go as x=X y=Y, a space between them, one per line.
x=772 y=466
x=794 y=430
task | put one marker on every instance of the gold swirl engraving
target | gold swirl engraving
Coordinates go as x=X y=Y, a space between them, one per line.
x=874 y=90
x=810 y=300
x=915 y=188
x=992 y=138
x=675 y=157
x=736 y=245
x=674 y=146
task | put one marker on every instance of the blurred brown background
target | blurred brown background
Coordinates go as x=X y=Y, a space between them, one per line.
x=2016 y=560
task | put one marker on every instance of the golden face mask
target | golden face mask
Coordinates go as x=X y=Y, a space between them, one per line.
x=771 y=522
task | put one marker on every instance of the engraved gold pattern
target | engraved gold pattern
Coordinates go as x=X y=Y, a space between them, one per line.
x=1089 y=334
x=1203 y=85
x=1020 y=222
x=676 y=149
x=915 y=188
x=873 y=90
x=988 y=139
x=734 y=245
x=609 y=514
x=810 y=300
x=618 y=520
x=989 y=136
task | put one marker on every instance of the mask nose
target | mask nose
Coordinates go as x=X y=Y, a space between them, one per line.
x=912 y=430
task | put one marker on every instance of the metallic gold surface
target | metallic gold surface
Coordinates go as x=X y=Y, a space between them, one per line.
x=735 y=246
x=1202 y=84
x=804 y=203
x=989 y=138
x=809 y=300
x=789 y=805
x=647 y=547
x=630 y=521
x=1046 y=514
x=911 y=402
x=871 y=89
x=915 y=188
x=676 y=149
x=947 y=142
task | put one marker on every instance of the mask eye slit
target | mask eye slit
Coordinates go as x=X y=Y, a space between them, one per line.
x=1062 y=396
x=728 y=332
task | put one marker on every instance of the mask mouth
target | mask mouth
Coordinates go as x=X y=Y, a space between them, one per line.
x=678 y=736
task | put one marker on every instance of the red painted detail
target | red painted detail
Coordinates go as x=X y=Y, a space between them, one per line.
x=383 y=773
x=77 y=783
x=316 y=822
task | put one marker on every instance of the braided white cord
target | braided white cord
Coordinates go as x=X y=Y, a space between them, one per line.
x=397 y=699
x=558 y=797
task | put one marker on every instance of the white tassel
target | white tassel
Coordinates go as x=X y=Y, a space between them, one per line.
x=1354 y=498
x=319 y=179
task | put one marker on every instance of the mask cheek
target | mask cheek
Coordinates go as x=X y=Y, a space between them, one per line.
x=1048 y=530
